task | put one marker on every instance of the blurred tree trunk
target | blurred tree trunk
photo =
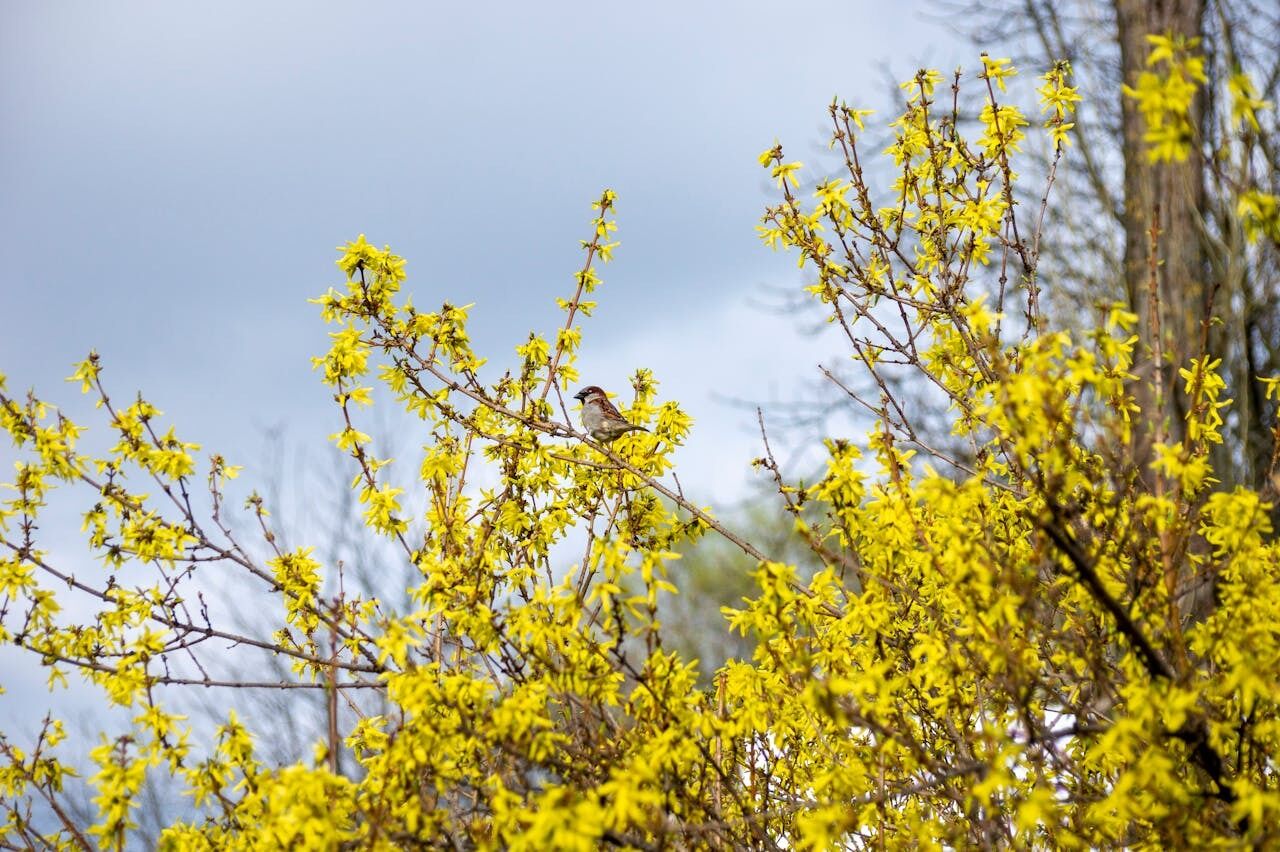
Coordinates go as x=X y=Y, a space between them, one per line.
x=1169 y=196
x=1108 y=198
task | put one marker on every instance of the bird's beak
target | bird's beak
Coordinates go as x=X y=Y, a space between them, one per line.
x=578 y=396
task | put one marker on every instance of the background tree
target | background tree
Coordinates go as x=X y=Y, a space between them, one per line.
x=1203 y=206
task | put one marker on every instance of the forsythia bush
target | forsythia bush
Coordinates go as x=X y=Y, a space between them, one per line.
x=1020 y=635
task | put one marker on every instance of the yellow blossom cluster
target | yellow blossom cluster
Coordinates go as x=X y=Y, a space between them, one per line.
x=1015 y=636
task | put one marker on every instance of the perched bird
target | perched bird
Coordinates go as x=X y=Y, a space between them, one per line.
x=601 y=420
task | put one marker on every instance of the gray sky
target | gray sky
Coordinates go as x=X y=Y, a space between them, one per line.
x=174 y=178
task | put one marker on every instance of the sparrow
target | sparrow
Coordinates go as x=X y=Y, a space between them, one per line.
x=601 y=420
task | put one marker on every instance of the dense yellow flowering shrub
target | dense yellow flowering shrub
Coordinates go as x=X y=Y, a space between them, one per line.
x=1016 y=639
